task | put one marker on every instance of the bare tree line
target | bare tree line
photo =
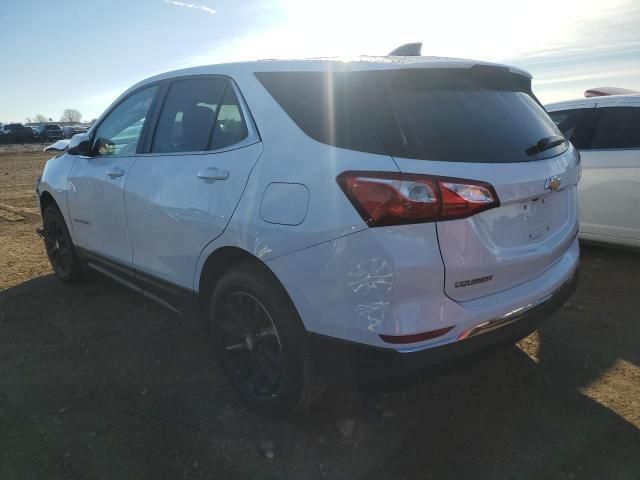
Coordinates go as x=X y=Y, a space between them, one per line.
x=38 y=118
x=69 y=115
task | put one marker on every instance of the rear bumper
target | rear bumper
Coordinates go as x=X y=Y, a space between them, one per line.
x=333 y=353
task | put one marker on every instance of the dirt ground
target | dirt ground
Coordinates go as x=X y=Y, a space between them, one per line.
x=97 y=382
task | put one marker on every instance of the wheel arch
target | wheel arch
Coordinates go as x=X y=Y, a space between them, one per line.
x=47 y=199
x=223 y=259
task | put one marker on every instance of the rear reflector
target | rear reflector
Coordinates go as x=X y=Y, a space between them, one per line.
x=387 y=198
x=416 y=337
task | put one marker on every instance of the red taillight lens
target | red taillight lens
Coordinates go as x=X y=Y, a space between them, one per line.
x=385 y=198
x=463 y=198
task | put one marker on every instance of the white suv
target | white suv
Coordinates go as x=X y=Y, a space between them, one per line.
x=606 y=130
x=384 y=212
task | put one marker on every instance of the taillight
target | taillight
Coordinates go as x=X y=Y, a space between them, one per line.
x=386 y=198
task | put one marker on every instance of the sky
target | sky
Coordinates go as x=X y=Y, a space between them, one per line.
x=83 y=54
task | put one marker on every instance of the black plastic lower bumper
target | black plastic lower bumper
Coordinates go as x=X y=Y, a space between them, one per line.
x=338 y=355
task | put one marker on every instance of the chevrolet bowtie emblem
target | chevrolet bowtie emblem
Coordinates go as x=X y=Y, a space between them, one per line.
x=553 y=183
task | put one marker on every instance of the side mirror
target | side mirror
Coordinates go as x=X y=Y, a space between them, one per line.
x=59 y=146
x=104 y=147
x=80 y=144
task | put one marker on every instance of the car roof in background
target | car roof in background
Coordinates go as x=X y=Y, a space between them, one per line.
x=608 y=100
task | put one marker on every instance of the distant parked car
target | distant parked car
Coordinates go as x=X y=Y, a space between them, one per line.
x=50 y=132
x=70 y=130
x=606 y=131
x=16 y=132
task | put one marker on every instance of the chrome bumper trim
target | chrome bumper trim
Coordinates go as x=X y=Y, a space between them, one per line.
x=509 y=317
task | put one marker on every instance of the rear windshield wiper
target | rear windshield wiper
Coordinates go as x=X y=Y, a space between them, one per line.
x=545 y=144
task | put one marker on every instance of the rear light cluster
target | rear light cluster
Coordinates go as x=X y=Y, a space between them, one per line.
x=388 y=198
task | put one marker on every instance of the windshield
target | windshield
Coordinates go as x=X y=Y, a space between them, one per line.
x=482 y=115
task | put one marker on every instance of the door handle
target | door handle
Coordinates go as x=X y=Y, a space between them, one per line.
x=213 y=174
x=115 y=172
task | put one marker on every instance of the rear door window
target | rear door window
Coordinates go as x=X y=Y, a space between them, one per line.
x=482 y=115
x=188 y=116
x=618 y=127
x=230 y=127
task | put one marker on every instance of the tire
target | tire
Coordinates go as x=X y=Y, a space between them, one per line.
x=261 y=342
x=60 y=249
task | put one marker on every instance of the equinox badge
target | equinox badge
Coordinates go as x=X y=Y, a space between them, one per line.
x=473 y=281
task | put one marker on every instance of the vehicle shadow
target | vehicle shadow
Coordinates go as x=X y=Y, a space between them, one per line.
x=97 y=382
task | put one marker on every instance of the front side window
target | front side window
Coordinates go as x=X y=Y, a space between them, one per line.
x=618 y=127
x=119 y=132
x=188 y=115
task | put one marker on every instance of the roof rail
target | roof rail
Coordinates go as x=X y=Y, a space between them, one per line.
x=407 y=50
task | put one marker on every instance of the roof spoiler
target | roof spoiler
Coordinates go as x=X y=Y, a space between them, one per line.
x=606 y=91
x=407 y=50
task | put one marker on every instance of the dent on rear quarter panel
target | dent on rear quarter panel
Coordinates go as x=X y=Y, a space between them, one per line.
x=378 y=281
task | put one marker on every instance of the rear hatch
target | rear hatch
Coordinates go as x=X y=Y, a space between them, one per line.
x=515 y=242
x=486 y=125
x=468 y=121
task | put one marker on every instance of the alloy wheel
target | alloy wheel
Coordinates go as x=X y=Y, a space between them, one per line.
x=249 y=345
x=58 y=249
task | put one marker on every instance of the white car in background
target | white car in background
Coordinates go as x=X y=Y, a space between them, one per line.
x=390 y=211
x=606 y=131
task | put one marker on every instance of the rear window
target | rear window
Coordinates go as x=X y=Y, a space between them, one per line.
x=481 y=115
x=52 y=127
